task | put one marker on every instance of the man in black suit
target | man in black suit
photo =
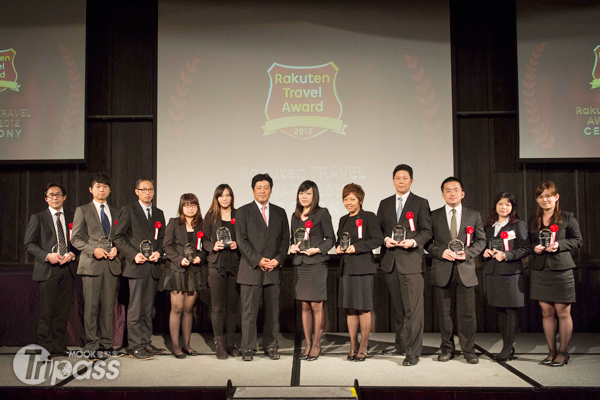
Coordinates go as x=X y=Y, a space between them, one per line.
x=403 y=261
x=139 y=222
x=263 y=237
x=453 y=273
x=99 y=267
x=48 y=240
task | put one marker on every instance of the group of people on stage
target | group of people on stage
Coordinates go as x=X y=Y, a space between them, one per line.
x=238 y=254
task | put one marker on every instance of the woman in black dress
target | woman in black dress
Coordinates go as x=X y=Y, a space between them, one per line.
x=508 y=244
x=357 y=267
x=552 y=281
x=312 y=223
x=223 y=262
x=183 y=234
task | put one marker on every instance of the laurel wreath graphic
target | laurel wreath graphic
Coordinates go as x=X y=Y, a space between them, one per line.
x=429 y=108
x=179 y=102
x=539 y=131
x=74 y=105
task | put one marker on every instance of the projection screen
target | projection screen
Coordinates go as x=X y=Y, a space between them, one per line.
x=334 y=93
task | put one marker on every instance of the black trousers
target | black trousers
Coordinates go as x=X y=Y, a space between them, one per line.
x=139 y=312
x=456 y=299
x=406 y=293
x=55 y=297
x=224 y=297
x=251 y=295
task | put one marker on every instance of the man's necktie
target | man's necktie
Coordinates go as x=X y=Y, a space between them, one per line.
x=264 y=214
x=453 y=227
x=399 y=209
x=62 y=243
x=148 y=213
x=105 y=221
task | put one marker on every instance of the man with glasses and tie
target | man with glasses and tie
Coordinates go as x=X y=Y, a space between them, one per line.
x=453 y=270
x=99 y=266
x=47 y=239
x=141 y=222
x=402 y=260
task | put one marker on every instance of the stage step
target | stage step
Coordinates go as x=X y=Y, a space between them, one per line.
x=295 y=392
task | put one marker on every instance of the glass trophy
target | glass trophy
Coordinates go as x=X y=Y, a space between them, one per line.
x=299 y=239
x=399 y=233
x=146 y=248
x=105 y=244
x=545 y=237
x=456 y=246
x=345 y=241
x=55 y=249
x=224 y=235
x=189 y=252
x=496 y=244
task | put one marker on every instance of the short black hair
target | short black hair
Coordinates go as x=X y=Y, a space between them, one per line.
x=143 y=179
x=54 y=184
x=262 y=177
x=452 y=179
x=403 y=167
x=100 y=178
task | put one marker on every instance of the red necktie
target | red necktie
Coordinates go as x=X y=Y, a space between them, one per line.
x=264 y=214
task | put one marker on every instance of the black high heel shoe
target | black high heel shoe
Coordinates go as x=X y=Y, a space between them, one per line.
x=548 y=360
x=508 y=358
x=313 y=358
x=304 y=356
x=563 y=362
x=350 y=356
x=190 y=353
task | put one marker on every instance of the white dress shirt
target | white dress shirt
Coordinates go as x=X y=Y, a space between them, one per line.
x=498 y=226
x=260 y=206
x=144 y=207
x=62 y=222
x=458 y=217
x=106 y=211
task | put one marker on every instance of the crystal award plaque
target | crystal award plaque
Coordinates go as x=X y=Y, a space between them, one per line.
x=399 y=233
x=456 y=246
x=545 y=237
x=496 y=244
x=189 y=252
x=105 y=244
x=146 y=248
x=344 y=241
x=224 y=235
x=299 y=239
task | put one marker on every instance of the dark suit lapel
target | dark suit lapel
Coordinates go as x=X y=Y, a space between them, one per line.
x=49 y=222
x=259 y=220
x=462 y=232
x=443 y=221
x=406 y=207
x=141 y=215
x=92 y=209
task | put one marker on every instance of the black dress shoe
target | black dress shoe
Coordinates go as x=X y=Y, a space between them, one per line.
x=351 y=355
x=498 y=358
x=471 y=358
x=445 y=356
x=313 y=358
x=548 y=360
x=393 y=352
x=565 y=360
x=360 y=359
x=190 y=353
x=179 y=356
x=140 y=354
x=111 y=352
x=95 y=355
x=247 y=355
x=151 y=349
x=409 y=361
x=273 y=353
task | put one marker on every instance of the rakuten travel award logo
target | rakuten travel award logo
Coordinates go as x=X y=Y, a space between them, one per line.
x=303 y=101
x=596 y=71
x=8 y=73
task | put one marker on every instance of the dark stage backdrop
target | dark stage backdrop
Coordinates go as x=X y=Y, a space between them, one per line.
x=121 y=140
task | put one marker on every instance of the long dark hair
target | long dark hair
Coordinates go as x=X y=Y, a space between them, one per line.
x=493 y=215
x=304 y=186
x=539 y=215
x=184 y=200
x=215 y=207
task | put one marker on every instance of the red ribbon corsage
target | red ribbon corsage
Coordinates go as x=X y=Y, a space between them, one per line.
x=307 y=225
x=359 y=223
x=504 y=236
x=70 y=230
x=200 y=235
x=232 y=221
x=157 y=226
x=553 y=229
x=411 y=220
x=116 y=220
x=470 y=231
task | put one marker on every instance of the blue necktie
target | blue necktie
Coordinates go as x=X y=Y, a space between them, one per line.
x=105 y=221
x=399 y=210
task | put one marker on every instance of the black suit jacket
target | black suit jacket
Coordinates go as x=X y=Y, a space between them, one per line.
x=441 y=270
x=408 y=261
x=519 y=248
x=176 y=237
x=363 y=261
x=568 y=238
x=132 y=229
x=321 y=236
x=210 y=238
x=40 y=237
x=255 y=241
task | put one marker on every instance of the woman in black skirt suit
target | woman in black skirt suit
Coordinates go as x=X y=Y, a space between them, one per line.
x=181 y=277
x=223 y=263
x=357 y=267
x=508 y=244
x=552 y=281
x=310 y=266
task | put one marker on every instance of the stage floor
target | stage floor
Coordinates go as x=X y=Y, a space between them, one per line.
x=332 y=368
